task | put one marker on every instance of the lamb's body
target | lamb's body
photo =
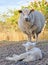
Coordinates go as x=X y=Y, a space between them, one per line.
x=32 y=55
x=35 y=22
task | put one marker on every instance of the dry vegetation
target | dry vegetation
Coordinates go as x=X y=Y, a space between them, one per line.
x=9 y=24
x=18 y=35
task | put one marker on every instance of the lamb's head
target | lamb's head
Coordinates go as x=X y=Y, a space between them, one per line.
x=29 y=45
x=26 y=14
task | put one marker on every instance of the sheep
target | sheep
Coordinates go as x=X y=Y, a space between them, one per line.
x=29 y=45
x=33 y=54
x=31 y=22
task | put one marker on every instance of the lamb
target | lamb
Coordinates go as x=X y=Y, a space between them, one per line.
x=31 y=55
x=31 y=22
x=29 y=45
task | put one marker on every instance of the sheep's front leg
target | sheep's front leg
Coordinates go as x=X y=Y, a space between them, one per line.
x=29 y=38
x=36 y=37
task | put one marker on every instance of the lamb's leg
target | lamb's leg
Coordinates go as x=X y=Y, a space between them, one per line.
x=14 y=58
x=24 y=55
x=29 y=59
x=18 y=57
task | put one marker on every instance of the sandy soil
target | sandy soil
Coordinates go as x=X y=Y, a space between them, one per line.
x=9 y=48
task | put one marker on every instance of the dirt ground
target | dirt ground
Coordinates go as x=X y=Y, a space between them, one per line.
x=8 y=48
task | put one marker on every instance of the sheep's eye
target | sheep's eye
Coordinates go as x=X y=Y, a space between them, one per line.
x=20 y=11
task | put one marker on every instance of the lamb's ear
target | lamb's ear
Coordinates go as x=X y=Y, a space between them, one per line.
x=20 y=11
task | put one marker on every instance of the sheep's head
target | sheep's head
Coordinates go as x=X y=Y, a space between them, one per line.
x=26 y=14
x=29 y=45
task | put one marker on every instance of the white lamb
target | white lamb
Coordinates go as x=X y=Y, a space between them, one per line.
x=31 y=55
x=29 y=45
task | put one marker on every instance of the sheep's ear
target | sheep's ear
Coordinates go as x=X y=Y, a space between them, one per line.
x=32 y=10
x=20 y=11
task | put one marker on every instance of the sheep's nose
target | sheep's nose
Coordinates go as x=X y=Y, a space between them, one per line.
x=26 y=19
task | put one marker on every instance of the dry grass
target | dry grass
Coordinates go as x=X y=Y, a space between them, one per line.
x=18 y=36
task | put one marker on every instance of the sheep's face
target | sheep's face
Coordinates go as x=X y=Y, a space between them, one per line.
x=26 y=14
x=29 y=45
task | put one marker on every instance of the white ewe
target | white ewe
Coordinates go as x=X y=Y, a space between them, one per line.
x=31 y=22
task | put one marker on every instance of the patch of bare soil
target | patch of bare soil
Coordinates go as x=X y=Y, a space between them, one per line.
x=10 y=48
